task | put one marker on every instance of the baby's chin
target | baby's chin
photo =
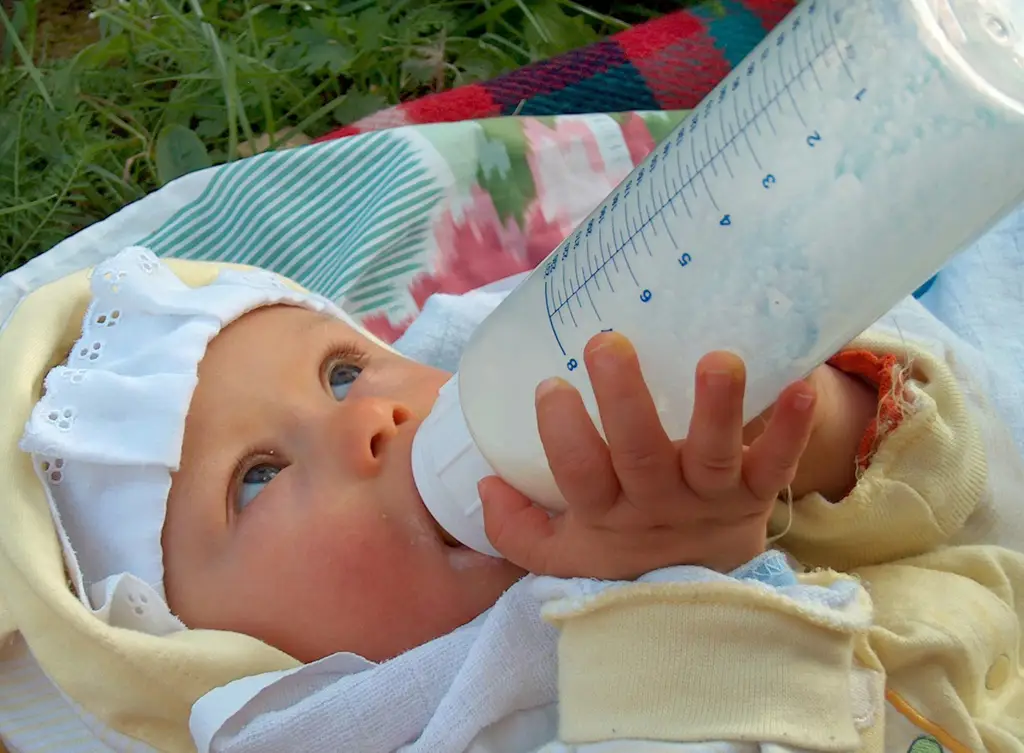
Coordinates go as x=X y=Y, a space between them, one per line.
x=463 y=558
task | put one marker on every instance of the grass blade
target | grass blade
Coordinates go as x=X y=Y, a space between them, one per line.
x=26 y=58
x=601 y=17
x=27 y=205
x=55 y=203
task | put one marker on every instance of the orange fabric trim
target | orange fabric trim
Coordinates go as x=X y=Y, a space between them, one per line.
x=883 y=372
x=925 y=725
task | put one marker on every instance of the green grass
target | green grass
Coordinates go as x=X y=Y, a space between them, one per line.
x=170 y=85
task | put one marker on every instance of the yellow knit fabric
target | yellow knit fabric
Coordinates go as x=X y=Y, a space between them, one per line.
x=712 y=661
x=922 y=484
x=138 y=684
x=948 y=631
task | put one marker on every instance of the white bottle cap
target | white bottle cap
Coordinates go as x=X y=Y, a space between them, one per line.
x=447 y=466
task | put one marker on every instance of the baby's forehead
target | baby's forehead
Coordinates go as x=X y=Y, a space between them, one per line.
x=293 y=321
x=272 y=343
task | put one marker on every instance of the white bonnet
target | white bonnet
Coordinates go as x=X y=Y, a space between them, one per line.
x=108 y=431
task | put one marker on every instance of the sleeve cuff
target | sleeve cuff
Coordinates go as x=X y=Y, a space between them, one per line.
x=882 y=371
x=718 y=660
x=922 y=467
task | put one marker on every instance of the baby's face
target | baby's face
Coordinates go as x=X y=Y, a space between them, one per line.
x=294 y=517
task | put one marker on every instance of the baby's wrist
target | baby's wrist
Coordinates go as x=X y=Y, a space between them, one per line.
x=846 y=407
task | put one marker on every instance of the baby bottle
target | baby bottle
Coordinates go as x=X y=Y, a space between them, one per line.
x=855 y=150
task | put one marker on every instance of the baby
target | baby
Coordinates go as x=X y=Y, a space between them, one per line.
x=238 y=460
x=295 y=496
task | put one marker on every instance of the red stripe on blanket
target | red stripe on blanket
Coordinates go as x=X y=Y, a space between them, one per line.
x=705 y=66
x=649 y=39
x=468 y=102
x=769 y=11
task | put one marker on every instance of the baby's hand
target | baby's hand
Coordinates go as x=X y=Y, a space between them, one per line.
x=639 y=501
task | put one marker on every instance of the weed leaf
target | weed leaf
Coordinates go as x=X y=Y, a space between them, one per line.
x=179 y=151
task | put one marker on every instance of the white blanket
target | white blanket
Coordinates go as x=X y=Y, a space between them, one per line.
x=488 y=687
x=980 y=296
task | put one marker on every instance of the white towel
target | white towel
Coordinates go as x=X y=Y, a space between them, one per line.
x=496 y=676
x=440 y=333
x=436 y=698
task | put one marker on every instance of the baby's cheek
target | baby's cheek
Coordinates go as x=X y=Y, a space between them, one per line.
x=364 y=549
x=383 y=595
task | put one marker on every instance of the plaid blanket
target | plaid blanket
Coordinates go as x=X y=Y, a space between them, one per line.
x=669 y=63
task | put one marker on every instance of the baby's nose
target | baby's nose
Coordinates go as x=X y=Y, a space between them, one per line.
x=367 y=426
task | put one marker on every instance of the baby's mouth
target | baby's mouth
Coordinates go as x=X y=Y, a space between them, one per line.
x=446 y=538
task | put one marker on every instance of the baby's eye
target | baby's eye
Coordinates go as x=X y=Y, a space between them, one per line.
x=254 y=481
x=341 y=376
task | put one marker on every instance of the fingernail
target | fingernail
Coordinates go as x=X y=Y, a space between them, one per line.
x=608 y=349
x=602 y=342
x=550 y=385
x=719 y=378
x=802 y=401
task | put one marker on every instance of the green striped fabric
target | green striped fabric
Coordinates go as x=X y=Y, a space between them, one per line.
x=350 y=219
x=380 y=221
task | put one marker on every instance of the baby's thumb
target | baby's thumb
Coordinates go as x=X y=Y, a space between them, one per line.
x=521 y=532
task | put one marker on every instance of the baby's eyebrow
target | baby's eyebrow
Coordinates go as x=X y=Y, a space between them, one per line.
x=317 y=323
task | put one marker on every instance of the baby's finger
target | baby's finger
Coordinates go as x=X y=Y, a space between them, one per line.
x=576 y=453
x=644 y=458
x=772 y=460
x=713 y=454
x=514 y=526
